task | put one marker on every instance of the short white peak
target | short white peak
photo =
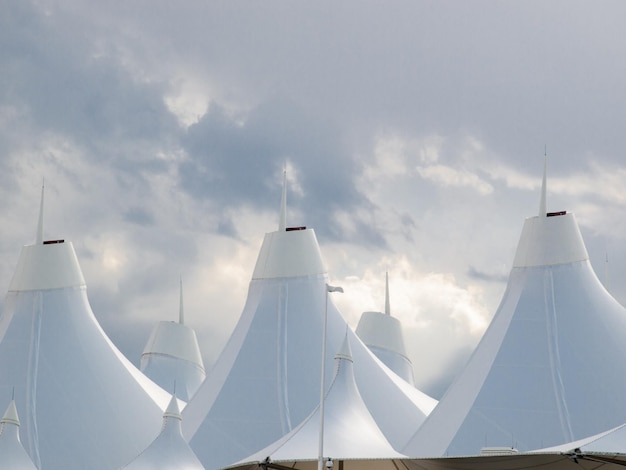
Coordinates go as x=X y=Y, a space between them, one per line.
x=172 y=411
x=10 y=415
x=345 y=352
x=175 y=340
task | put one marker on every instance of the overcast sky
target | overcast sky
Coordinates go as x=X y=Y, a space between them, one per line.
x=413 y=134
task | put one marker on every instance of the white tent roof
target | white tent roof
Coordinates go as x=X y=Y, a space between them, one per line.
x=267 y=379
x=169 y=451
x=349 y=429
x=12 y=454
x=382 y=334
x=172 y=357
x=611 y=441
x=544 y=461
x=543 y=373
x=79 y=398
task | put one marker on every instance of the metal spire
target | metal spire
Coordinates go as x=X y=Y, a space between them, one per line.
x=282 y=223
x=181 y=310
x=39 y=240
x=542 y=203
x=387 y=308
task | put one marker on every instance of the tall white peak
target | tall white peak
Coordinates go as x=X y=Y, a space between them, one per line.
x=274 y=347
x=383 y=335
x=522 y=385
x=172 y=358
x=289 y=253
x=60 y=363
x=549 y=238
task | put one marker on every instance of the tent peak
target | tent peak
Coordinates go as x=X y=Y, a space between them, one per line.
x=10 y=415
x=345 y=352
x=172 y=410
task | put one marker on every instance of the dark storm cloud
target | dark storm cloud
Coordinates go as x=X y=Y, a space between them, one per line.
x=237 y=164
x=516 y=75
x=318 y=83
x=139 y=216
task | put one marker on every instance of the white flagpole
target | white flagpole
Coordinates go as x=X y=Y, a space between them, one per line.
x=320 y=457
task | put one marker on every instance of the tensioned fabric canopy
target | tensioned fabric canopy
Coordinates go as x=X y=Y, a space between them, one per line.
x=169 y=451
x=545 y=461
x=79 y=398
x=267 y=379
x=349 y=429
x=544 y=372
x=12 y=454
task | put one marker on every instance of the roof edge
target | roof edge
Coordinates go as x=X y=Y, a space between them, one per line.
x=52 y=265
x=551 y=240
x=290 y=253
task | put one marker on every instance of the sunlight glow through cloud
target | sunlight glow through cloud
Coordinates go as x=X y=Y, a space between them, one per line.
x=162 y=140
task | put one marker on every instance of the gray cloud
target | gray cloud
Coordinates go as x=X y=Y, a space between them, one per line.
x=139 y=216
x=474 y=273
x=84 y=94
x=225 y=157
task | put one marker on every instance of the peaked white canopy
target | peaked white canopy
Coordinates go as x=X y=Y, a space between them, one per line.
x=382 y=334
x=611 y=441
x=12 y=454
x=169 y=451
x=80 y=399
x=543 y=373
x=267 y=379
x=172 y=357
x=349 y=429
x=543 y=461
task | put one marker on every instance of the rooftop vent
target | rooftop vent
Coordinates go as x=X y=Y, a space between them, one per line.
x=498 y=451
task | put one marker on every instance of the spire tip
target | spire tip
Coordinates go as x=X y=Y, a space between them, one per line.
x=282 y=223
x=542 y=203
x=39 y=238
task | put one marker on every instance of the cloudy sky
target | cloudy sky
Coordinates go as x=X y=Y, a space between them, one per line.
x=413 y=134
